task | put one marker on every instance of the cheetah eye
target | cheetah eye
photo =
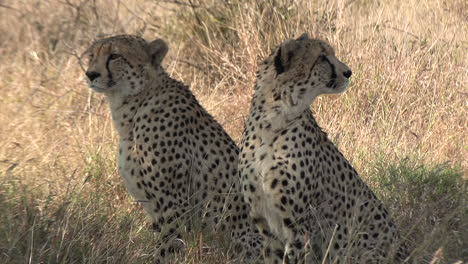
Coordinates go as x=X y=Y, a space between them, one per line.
x=114 y=56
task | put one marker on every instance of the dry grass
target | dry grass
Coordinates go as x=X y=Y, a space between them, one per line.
x=61 y=199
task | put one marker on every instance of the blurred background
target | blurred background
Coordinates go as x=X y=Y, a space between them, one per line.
x=402 y=123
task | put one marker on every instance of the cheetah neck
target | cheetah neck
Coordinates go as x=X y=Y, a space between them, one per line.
x=271 y=114
x=124 y=108
x=271 y=117
x=277 y=106
x=270 y=121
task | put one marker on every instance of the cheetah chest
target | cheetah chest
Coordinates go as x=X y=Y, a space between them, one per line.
x=263 y=171
x=129 y=170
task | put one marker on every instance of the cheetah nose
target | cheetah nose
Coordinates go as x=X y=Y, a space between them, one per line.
x=347 y=73
x=92 y=75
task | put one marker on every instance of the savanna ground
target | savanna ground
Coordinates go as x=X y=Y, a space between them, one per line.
x=402 y=123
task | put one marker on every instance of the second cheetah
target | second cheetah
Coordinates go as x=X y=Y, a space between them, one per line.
x=307 y=200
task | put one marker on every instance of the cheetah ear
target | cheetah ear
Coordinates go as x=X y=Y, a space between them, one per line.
x=304 y=36
x=158 y=50
x=278 y=63
x=283 y=56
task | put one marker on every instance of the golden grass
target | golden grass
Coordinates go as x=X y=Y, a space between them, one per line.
x=407 y=100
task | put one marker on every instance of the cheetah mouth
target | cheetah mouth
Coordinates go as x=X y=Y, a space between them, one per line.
x=342 y=87
x=331 y=83
x=337 y=86
x=97 y=89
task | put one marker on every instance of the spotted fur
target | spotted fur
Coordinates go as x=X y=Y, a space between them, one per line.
x=305 y=197
x=174 y=158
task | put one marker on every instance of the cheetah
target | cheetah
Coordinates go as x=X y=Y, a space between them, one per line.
x=306 y=199
x=174 y=158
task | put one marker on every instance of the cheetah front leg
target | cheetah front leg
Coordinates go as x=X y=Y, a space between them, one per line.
x=167 y=222
x=278 y=212
x=273 y=249
x=294 y=251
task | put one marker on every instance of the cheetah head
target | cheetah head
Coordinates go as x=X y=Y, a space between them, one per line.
x=123 y=64
x=301 y=69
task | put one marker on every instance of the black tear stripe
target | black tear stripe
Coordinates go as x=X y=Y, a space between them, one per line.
x=333 y=74
x=278 y=65
x=109 y=74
